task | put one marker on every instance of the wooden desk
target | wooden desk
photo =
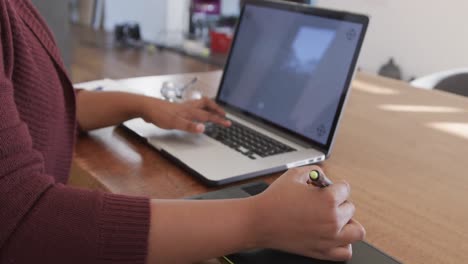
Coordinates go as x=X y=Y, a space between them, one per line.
x=402 y=149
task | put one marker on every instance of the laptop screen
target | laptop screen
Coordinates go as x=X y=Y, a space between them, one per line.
x=291 y=69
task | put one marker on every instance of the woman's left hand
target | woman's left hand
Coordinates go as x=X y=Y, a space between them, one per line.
x=187 y=116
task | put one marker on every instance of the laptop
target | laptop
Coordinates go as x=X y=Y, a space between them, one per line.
x=284 y=88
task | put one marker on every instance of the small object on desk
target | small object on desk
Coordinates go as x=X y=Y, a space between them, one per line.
x=182 y=89
x=174 y=92
x=195 y=48
x=128 y=35
x=168 y=91
x=390 y=70
x=191 y=94
x=151 y=48
x=221 y=40
x=102 y=85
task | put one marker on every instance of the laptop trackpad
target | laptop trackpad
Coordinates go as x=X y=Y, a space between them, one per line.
x=182 y=139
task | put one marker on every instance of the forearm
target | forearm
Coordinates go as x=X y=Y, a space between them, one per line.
x=188 y=231
x=101 y=109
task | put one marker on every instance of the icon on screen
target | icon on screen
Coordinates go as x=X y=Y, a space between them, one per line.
x=260 y=105
x=351 y=34
x=321 y=131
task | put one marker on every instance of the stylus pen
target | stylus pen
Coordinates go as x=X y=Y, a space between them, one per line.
x=318 y=179
x=228 y=260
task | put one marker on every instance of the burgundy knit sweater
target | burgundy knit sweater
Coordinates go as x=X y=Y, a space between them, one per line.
x=41 y=219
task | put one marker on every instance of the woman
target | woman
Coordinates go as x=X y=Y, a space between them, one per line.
x=43 y=220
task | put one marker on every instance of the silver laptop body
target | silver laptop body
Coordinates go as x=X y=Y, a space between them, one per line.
x=287 y=77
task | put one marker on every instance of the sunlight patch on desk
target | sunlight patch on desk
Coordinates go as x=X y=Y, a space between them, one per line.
x=126 y=154
x=457 y=129
x=420 y=108
x=372 y=88
x=121 y=149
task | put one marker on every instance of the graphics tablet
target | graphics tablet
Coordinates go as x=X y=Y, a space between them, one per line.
x=363 y=253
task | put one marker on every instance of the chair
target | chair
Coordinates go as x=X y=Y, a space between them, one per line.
x=453 y=81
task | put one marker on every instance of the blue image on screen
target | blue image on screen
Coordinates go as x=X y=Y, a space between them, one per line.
x=306 y=52
x=290 y=68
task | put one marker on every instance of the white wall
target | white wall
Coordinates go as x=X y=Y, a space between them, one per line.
x=230 y=7
x=424 y=36
x=178 y=15
x=156 y=17
x=150 y=14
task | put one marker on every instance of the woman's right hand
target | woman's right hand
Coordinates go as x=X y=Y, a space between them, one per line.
x=300 y=218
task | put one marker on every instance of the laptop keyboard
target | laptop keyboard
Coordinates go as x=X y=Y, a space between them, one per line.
x=246 y=140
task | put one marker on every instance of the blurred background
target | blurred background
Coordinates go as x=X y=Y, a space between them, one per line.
x=122 y=38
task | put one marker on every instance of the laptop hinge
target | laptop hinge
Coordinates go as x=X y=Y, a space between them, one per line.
x=268 y=127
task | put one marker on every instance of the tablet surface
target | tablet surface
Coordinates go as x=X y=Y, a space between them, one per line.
x=363 y=254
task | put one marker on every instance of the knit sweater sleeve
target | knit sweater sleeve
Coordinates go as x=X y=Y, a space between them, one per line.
x=42 y=221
